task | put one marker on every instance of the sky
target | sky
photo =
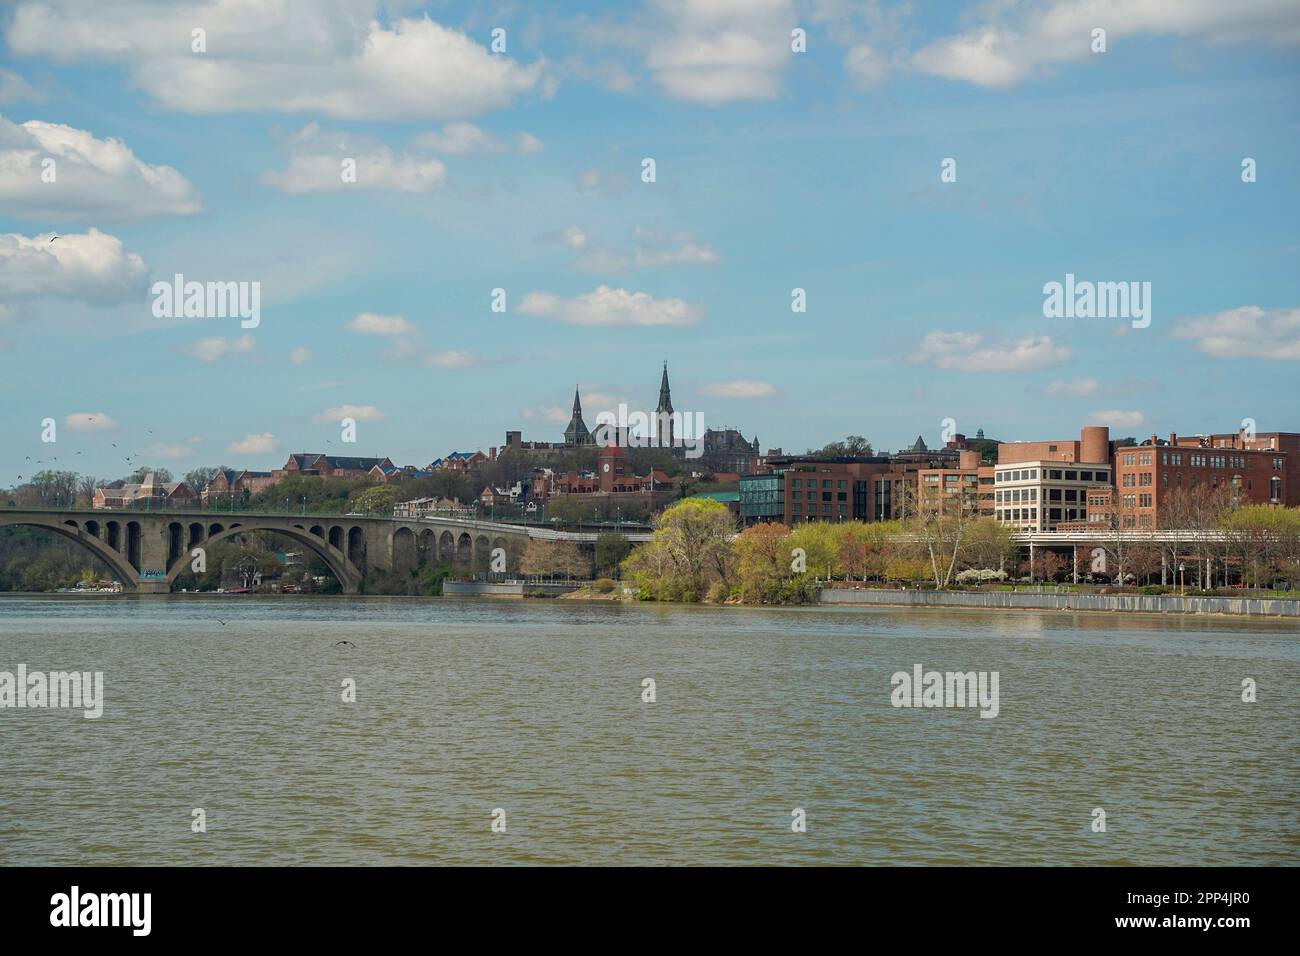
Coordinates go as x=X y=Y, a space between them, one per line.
x=921 y=171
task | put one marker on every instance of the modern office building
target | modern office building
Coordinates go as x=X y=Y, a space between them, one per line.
x=1040 y=495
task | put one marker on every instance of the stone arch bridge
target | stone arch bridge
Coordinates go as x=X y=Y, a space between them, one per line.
x=147 y=550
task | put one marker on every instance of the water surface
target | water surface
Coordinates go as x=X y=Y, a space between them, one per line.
x=468 y=705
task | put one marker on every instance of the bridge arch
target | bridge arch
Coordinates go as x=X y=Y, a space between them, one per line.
x=349 y=576
x=405 y=551
x=116 y=561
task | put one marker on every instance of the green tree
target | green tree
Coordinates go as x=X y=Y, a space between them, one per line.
x=611 y=549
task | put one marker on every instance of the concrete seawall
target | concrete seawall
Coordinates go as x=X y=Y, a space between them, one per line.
x=506 y=589
x=1168 y=604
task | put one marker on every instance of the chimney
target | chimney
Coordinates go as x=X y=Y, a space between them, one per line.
x=492 y=453
x=968 y=460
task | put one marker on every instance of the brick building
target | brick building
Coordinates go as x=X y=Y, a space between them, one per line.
x=147 y=494
x=314 y=465
x=968 y=485
x=1148 y=476
x=229 y=484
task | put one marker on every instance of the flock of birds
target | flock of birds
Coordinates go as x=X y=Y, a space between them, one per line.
x=134 y=456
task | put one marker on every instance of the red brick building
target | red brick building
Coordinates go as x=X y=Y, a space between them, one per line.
x=1147 y=476
x=313 y=465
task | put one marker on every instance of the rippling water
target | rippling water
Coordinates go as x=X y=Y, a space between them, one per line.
x=535 y=707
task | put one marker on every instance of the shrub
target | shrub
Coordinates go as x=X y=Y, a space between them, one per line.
x=603 y=585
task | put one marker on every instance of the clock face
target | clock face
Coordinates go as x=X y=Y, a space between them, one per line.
x=607 y=466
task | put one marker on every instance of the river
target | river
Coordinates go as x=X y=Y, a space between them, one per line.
x=468 y=706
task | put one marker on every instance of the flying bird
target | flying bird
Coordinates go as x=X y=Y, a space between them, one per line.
x=52 y=241
x=344 y=644
x=220 y=621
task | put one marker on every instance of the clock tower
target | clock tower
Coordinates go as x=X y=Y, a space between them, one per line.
x=611 y=466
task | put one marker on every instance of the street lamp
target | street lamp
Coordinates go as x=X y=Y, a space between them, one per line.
x=1182 y=585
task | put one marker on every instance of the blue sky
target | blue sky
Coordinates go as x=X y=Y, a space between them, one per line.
x=522 y=171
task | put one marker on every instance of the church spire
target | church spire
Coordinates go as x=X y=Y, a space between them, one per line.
x=577 y=433
x=665 y=393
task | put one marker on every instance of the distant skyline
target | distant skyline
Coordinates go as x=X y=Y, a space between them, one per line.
x=522 y=171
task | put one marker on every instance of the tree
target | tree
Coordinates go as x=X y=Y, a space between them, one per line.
x=697 y=533
x=689 y=552
x=1197 y=509
x=543 y=557
x=853 y=445
x=990 y=545
x=762 y=559
x=197 y=478
x=159 y=474
x=821 y=542
x=375 y=500
x=940 y=523
x=86 y=487
x=611 y=549
x=1046 y=565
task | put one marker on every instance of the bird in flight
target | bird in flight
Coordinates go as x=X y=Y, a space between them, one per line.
x=344 y=644
x=220 y=621
x=52 y=241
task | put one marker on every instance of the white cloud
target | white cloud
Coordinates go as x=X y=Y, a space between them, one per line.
x=262 y=444
x=1117 y=419
x=368 y=323
x=14 y=88
x=449 y=359
x=548 y=415
x=466 y=139
x=167 y=451
x=740 y=388
x=317 y=157
x=608 y=306
x=362 y=413
x=866 y=66
x=91 y=267
x=93 y=178
x=1078 y=387
x=299 y=356
x=215 y=348
x=966 y=351
x=717 y=51
x=88 y=422
x=332 y=57
x=600 y=262
x=607 y=182
x=1013 y=42
x=688 y=253
x=1245 y=332
x=575 y=238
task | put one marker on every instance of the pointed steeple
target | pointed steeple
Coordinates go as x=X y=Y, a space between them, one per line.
x=576 y=433
x=665 y=393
